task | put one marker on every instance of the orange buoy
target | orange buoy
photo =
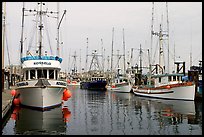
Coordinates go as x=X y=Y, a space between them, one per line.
x=65 y=98
x=13 y=92
x=168 y=87
x=16 y=101
x=67 y=93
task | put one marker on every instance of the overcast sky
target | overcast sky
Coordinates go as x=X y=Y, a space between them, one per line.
x=95 y=21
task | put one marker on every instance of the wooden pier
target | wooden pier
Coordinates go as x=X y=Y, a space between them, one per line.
x=7 y=101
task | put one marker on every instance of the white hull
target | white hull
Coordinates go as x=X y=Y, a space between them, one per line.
x=121 y=88
x=41 y=97
x=179 y=93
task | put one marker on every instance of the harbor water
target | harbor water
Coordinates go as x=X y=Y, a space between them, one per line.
x=108 y=113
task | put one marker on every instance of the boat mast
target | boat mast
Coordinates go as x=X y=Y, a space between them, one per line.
x=80 y=61
x=40 y=29
x=58 y=29
x=87 y=54
x=59 y=23
x=112 y=51
x=21 y=50
x=152 y=32
x=191 y=49
x=168 y=67
x=102 y=55
x=150 y=54
x=3 y=40
x=140 y=59
x=124 y=50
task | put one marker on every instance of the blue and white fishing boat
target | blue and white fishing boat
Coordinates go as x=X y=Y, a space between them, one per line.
x=40 y=86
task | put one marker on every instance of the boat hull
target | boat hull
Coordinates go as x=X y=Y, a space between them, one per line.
x=41 y=98
x=94 y=85
x=178 y=93
x=120 y=88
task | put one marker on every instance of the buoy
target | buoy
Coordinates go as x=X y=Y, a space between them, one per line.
x=113 y=86
x=16 y=101
x=13 y=92
x=67 y=93
x=68 y=81
x=168 y=87
x=65 y=98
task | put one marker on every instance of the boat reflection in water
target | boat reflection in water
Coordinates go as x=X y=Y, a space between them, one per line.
x=52 y=122
x=159 y=116
x=170 y=112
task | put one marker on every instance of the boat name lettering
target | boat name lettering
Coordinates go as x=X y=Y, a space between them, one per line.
x=46 y=63
x=22 y=84
x=61 y=83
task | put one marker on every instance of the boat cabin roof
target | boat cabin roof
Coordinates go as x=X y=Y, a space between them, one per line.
x=41 y=58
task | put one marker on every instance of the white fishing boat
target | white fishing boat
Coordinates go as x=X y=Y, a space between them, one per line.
x=73 y=82
x=41 y=86
x=121 y=83
x=163 y=84
x=167 y=86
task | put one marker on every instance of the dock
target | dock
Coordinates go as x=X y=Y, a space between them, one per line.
x=7 y=100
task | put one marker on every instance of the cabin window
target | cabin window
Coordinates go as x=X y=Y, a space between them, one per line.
x=51 y=74
x=45 y=73
x=32 y=74
x=56 y=73
x=170 y=78
x=26 y=75
x=159 y=80
x=174 y=78
x=40 y=75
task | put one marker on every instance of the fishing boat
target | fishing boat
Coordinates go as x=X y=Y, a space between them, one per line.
x=40 y=86
x=94 y=83
x=74 y=77
x=163 y=84
x=167 y=86
x=95 y=78
x=73 y=82
x=121 y=83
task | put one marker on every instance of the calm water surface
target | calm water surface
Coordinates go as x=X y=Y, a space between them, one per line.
x=109 y=113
